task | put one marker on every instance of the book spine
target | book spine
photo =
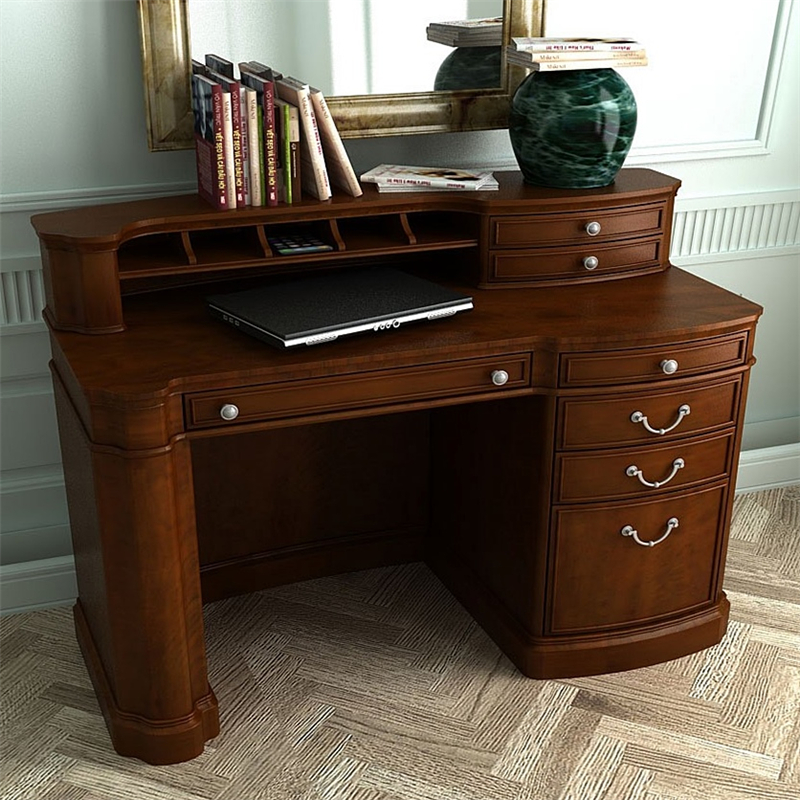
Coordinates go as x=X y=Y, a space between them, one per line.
x=270 y=149
x=286 y=155
x=576 y=55
x=431 y=182
x=230 y=164
x=597 y=63
x=220 y=175
x=533 y=45
x=340 y=170
x=238 y=159
x=245 y=146
x=294 y=153
x=254 y=146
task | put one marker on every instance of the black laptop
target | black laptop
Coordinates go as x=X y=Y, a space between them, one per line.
x=322 y=308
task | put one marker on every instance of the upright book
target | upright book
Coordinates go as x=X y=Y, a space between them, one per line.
x=264 y=85
x=314 y=173
x=207 y=108
x=337 y=161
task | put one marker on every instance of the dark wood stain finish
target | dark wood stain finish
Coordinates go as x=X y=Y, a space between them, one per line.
x=387 y=449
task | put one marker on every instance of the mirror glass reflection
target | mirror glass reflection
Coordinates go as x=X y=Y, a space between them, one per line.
x=348 y=47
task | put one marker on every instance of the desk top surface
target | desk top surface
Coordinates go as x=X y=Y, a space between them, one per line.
x=172 y=344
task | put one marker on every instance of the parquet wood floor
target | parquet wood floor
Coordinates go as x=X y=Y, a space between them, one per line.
x=378 y=686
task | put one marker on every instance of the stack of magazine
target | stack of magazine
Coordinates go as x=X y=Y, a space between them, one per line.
x=263 y=138
x=552 y=55
x=402 y=178
x=487 y=32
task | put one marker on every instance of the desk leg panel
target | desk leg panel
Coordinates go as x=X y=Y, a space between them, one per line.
x=139 y=611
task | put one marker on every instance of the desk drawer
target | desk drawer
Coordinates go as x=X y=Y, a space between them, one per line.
x=629 y=418
x=376 y=388
x=665 y=362
x=591 y=260
x=603 y=578
x=642 y=471
x=574 y=227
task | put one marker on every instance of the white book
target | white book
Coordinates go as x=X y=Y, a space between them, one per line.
x=441 y=177
x=314 y=173
x=543 y=44
x=227 y=141
x=548 y=65
x=254 y=146
x=340 y=170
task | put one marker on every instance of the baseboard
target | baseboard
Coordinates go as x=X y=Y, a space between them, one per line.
x=39 y=584
x=49 y=582
x=768 y=468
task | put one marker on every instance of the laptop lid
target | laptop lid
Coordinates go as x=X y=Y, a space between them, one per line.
x=321 y=308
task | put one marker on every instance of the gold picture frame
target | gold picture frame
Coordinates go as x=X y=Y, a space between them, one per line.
x=166 y=59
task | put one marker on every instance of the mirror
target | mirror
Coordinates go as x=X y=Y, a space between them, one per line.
x=166 y=58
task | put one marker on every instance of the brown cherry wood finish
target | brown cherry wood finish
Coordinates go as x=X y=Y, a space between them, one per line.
x=401 y=447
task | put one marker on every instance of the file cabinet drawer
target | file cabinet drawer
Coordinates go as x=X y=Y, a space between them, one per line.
x=642 y=471
x=647 y=416
x=474 y=376
x=604 y=578
x=575 y=227
x=653 y=363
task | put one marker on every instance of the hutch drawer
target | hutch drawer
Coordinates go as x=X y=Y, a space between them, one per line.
x=603 y=578
x=653 y=363
x=577 y=227
x=583 y=262
x=642 y=471
x=473 y=376
x=647 y=416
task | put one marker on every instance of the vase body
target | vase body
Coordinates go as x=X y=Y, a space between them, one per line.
x=572 y=129
x=469 y=68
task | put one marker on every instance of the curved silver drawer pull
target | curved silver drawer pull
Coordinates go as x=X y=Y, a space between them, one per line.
x=229 y=411
x=669 y=366
x=591 y=262
x=634 y=472
x=629 y=530
x=592 y=228
x=683 y=411
x=499 y=377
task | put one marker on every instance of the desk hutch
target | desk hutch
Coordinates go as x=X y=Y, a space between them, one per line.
x=563 y=456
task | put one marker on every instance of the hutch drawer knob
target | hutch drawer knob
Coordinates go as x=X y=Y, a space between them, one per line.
x=634 y=472
x=629 y=530
x=669 y=366
x=592 y=228
x=499 y=377
x=683 y=411
x=229 y=412
x=591 y=262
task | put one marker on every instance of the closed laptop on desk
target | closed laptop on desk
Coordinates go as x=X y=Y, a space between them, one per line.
x=321 y=308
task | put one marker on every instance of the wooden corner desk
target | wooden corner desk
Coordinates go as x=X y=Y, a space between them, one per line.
x=563 y=456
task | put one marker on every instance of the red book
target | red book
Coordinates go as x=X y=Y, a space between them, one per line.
x=207 y=103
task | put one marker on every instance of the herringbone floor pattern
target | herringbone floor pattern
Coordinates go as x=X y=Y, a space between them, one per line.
x=378 y=686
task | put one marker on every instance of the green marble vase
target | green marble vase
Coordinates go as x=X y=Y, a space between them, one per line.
x=469 y=68
x=572 y=129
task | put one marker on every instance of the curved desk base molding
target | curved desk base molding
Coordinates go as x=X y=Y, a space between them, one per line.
x=581 y=655
x=156 y=741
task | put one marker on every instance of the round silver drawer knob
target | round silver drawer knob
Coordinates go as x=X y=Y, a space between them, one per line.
x=591 y=262
x=592 y=228
x=499 y=377
x=669 y=366
x=229 y=411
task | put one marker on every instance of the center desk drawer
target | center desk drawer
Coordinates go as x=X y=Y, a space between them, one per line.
x=647 y=416
x=375 y=388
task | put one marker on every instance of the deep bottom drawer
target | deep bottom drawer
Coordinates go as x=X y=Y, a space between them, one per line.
x=604 y=578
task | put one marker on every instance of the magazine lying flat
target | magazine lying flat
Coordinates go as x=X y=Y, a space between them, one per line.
x=442 y=177
x=321 y=308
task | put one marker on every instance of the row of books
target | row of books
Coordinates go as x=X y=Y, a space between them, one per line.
x=402 y=178
x=551 y=54
x=263 y=138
